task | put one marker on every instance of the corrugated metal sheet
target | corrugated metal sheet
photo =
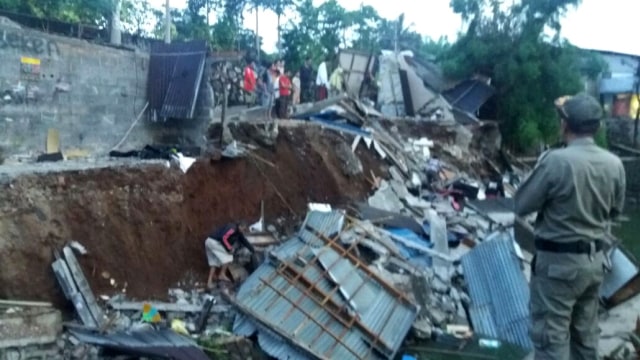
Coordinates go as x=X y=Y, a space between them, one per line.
x=618 y=85
x=469 y=95
x=290 y=304
x=175 y=74
x=356 y=64
x=499 y=292
x=624 y=269
x=157 y=343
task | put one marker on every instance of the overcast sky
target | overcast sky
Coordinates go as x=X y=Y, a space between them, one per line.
x=596 y=24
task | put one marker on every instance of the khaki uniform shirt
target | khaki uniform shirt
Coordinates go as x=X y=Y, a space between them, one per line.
x=575 y=190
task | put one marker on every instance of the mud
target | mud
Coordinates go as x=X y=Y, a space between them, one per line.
x=144 y=227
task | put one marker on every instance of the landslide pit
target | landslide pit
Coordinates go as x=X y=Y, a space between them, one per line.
x=145 y=225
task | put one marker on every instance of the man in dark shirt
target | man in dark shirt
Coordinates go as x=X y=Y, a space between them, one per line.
x=306 y=81
x=220 y=246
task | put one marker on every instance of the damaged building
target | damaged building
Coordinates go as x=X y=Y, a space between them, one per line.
x=363 y=251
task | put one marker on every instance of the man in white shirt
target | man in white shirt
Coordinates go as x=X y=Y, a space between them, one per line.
x=322 y=81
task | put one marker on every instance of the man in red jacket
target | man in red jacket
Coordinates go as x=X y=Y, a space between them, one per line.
x=250 y=79
x=285 y=95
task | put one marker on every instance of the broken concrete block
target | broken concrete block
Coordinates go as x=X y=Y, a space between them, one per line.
x=439 y=239
x=351 y=164
x=422 y=291
x=437 y=316
x=423 y=328
x=386 y=199
x=439 y=285
x=32 y=326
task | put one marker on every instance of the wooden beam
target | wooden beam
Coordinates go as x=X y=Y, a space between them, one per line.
x=626 y=148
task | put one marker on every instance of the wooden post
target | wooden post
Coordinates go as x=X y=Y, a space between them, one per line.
x=224 y=112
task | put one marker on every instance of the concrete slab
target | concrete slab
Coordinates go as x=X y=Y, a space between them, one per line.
x=12 y=170
x=617 y=322
x=29 y=326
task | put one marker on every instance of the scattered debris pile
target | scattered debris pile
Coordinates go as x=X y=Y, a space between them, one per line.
x=433 y=262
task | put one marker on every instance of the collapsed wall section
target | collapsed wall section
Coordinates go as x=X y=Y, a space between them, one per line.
x=89 y=93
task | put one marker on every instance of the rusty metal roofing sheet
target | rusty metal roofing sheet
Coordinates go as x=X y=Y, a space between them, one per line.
x=285 y=295
x=175 y=74
x=499 y=292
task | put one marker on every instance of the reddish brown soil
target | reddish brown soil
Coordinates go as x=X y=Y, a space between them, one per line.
x=145 y=226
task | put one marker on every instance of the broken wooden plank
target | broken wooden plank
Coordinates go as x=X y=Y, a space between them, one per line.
x=626 y=148
x=22 y=303
x=70 y=290
x=83 y=285
x=262 y=239
x=165 y=307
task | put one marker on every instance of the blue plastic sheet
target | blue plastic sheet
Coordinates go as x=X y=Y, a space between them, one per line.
x=415 y=257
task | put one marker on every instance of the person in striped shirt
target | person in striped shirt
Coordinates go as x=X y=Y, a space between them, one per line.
x=220 y=246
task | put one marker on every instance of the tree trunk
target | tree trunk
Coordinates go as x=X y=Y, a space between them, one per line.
x=278 y=43
x=257 y=38
x=116 y=34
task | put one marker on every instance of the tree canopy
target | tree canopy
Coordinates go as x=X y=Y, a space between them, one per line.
x=520 y=49
x=518 y=46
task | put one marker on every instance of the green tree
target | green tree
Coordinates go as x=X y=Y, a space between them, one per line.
x=528 y=69
x=135 y=16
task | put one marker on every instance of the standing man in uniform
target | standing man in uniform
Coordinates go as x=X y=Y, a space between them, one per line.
x=576 y=191
x=220 y=246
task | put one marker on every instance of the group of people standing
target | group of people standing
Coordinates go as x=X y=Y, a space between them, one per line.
x=278 y=89
x=273 y=88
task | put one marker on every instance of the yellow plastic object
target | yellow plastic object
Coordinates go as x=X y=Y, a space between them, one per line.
x=634 y=103
x=76 y=153
x=53 y=141
x=150 y=314
x=179 y=327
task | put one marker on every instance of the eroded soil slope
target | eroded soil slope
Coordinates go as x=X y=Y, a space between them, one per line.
x=145 y=226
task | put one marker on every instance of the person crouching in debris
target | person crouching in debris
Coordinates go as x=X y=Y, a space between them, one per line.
x=495 y=188
x=220 y=246
x=576 y=192
x=433 y=169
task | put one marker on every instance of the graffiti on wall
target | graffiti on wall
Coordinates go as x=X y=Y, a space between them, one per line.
x=27 y=43
x=21 y=93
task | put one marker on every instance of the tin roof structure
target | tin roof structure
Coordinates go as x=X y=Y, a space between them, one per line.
x=315 y=299
x=175 y=74
x=162 y=344
x=499 y=292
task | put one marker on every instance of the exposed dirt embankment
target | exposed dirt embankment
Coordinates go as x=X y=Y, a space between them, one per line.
x=145 y=226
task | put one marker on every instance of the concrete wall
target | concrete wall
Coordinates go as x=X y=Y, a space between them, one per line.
x=90 y=93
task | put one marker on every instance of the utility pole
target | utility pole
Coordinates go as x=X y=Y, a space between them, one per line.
x=116 y=34
x=208 y=11
x=167 y=23
x=257 y=37
x=395 y=37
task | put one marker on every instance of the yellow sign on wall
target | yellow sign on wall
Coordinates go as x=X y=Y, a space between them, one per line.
x=30 y=61
x=30 y=68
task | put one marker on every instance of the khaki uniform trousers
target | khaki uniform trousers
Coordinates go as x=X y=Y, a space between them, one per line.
x=564 y=305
